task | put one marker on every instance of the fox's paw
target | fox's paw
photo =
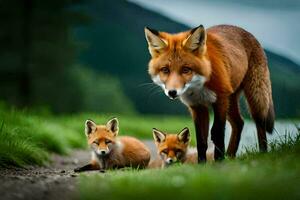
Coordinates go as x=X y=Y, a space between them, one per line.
x=78 y=169
x=102 y=170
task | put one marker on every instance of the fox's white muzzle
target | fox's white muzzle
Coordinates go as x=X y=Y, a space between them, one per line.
x=196 y=82
x=102 y=151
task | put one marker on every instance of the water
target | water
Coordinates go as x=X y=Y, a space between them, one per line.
x=249 y=136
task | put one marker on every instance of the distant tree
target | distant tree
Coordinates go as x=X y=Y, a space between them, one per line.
x=38 y=50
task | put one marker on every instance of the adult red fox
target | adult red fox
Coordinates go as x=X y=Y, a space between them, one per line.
x=110 y=151
x=174 y=148
x=212 y=67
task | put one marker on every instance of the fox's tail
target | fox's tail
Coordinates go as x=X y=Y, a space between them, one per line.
x=270 y=117
x=258 y=92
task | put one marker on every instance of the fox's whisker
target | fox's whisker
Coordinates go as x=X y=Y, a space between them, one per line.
x=145 y=84
x=154 y=88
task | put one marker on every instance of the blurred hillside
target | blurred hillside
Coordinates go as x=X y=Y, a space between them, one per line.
x=88 y=55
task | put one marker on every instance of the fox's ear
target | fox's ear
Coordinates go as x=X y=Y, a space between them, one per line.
x=156 y=44
x=113 y=125
x=184 y=135
x=196 y=40
x=158 y=135
x=90 y=127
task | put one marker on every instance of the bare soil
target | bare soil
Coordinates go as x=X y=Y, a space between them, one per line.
x=54 y=181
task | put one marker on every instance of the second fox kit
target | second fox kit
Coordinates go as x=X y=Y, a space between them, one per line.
x=110 y=151
x=172 y=148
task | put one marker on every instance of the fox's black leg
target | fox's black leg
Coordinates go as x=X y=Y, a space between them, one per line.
x=201 y=120
x=218 y=128
x=87 y=167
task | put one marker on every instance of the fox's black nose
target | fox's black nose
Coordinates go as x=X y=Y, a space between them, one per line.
x=172 y=94
x=169 y=161
x=102 y=152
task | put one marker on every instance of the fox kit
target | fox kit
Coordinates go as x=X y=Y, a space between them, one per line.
x=110 y=151
x=212 y=67
x=172 y=148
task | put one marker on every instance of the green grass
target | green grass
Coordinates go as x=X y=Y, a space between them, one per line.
x=273 y=175
x=27 y=137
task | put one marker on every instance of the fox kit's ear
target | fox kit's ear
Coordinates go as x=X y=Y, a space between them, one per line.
x=184 y=135
x=90 y=127
x=156 y=45
x=158 y=135
x=113 y=125
x=196 y=40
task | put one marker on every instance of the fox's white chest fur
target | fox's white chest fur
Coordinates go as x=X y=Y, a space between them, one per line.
x=113 y=159
x=194 y=96
x=196 y=93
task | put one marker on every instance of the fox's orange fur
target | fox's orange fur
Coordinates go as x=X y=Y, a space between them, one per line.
x=110 y=151
x=212 y=67
x=173 y=148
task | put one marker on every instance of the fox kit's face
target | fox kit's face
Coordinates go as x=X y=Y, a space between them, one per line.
x=172 y=148
x=179 y=61
x=102 y=138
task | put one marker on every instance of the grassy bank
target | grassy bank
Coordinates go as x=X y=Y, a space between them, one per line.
x=27 y=137
x=275 y=175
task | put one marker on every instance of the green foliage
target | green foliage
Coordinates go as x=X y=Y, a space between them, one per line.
x=99 y=92
x=20 y=151
x=274 y=175
x=37 y=60
x=38 y=51
x=26 y=138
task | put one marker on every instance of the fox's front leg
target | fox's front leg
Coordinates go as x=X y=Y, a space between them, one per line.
x=201 y=120
x=88 y=167
x=102 y=165
x=218 y=129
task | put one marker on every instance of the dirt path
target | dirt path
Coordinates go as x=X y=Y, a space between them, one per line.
x=56 y=181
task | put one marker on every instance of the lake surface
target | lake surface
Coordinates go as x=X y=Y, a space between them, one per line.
x=249 y=136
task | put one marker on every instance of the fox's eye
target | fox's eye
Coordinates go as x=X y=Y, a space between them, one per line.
x=186 y=70
x=96 y=142
x=107 y=141
x=178 y=151
x=165 y=70
x=165 y=151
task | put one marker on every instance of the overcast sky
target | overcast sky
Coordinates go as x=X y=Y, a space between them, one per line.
x=277 y=29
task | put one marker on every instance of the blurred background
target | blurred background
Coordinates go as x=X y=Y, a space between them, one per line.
x=90 y=55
